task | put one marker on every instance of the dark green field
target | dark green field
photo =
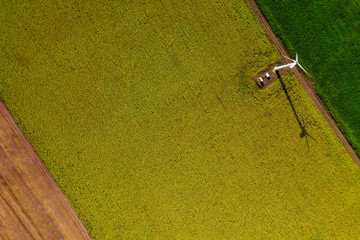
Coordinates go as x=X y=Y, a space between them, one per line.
x=326 y=34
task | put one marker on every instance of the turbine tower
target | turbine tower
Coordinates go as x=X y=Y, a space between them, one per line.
x=291 y=65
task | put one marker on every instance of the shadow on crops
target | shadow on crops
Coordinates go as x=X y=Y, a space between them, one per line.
x=303 y=133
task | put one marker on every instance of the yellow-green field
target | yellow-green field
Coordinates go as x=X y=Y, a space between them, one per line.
x=147 y=116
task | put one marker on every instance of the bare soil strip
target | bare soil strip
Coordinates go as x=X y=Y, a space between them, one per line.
x=306 y=83
x=32 y=206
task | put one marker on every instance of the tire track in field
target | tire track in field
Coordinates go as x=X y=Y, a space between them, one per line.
x=32 y=206
x=306 y=83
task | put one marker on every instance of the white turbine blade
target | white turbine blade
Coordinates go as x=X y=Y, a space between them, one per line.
x=293 y=65
x=289 y=58
x=303 y=69
x=296 y=58
x=282 y=66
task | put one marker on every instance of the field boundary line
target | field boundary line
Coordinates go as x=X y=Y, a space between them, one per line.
x=306 y=83
x=33 y=205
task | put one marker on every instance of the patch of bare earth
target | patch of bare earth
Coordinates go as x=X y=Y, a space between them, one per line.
x=31 y=204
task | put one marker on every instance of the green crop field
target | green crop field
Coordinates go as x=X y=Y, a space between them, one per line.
x=147 y=116
x=326 y=35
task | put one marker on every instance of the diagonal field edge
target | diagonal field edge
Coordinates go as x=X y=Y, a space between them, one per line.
x=32 y=205
x=306 y=83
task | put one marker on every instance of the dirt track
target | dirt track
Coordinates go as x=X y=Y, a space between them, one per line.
x=31 y=204
x=307 y=84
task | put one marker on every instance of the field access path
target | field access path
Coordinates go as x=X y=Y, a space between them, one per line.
x=32 y=206
x=306 y=83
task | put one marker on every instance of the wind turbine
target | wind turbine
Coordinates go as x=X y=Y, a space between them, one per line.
x=291 y=65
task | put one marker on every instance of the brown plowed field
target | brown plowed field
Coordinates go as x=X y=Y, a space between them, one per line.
x=31 y=204
x=306 y=83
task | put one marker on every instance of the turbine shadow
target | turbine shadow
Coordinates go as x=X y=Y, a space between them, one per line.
x=303 y=133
